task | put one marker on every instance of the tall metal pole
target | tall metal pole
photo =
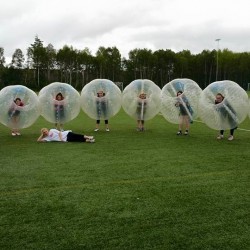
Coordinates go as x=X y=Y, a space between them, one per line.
x=217 y=58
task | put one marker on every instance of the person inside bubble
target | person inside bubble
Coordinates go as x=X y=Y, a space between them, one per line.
x=101 y=109
x=54 y=135
x=226 y=113
x=185 y=113
x=14 y=115
x=59 y=110
x=141 y=110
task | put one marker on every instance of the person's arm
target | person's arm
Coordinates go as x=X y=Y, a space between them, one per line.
x=40 y=138
x=60 y=136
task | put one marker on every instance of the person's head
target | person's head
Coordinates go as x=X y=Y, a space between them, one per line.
x=17 y=101
x=100 y=93
x=219 y=98
x=44 y=132
x=179 y=93
x=59 y=97
x=142 y=96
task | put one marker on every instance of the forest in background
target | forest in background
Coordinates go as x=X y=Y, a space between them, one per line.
x=43 y=65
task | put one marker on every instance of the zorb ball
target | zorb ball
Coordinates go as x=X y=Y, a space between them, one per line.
x=141 y=99
x=227 y=114
x=18 y=114
x=101 y=99
x=186 y=103
x=60 y=102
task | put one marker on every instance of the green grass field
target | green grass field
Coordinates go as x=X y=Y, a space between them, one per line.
x=129 y=190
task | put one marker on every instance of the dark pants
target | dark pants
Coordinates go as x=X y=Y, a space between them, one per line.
x=72 y=137
x=231 y=131
x=98 y=121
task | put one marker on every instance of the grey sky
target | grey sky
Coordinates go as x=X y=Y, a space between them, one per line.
x=154 y=24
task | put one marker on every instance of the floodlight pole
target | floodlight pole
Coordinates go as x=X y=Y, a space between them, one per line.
x=217 y=58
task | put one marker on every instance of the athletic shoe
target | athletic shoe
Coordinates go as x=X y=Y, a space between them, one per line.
x=91 y=137
x=186 y=133
x=230 y=138
x=17 y=133
x=219 y=137
x=97 y=129
x=179 y=133
x=107 y=129
x=13 y=134
x=92 y=140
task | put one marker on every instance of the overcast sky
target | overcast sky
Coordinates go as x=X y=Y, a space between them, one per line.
x=127 y=24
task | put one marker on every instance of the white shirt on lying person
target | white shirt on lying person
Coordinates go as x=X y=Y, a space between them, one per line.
x=54 y=135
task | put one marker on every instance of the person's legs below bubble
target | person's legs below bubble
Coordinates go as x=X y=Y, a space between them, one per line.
x=142 y=125
x=181 y=121
x=97 y=125
x=187 y=123
x=231 y=136
x=107 y=125
x=220 y=135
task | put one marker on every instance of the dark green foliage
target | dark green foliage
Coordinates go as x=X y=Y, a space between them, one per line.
x=76 y=67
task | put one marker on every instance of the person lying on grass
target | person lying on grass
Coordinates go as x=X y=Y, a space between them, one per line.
x=63 y=136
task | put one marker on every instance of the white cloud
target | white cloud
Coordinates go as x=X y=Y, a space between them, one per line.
x=152 y=24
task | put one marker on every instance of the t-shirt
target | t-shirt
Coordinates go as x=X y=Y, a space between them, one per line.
x=54 y=135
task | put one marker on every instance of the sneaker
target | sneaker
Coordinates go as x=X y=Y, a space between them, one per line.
x=92 y=140
x=230 y=138
x=219 y=137
x=186 y=132
x=107 y=129
x=91 y=137
x=97 y=129
x=17 y=133
x=179 y=133
x=13 y=134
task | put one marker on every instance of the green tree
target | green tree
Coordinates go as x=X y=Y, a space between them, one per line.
x=17 y=59
x=108 y=63
x=50 y=60
x=37 y=58
x=2 y=58
x=67 y=62
x=85 y=65
x=2 y=61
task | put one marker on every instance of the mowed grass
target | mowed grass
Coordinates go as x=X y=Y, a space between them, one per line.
x=129 y=190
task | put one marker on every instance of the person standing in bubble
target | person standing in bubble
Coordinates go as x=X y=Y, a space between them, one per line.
x=226 y=112
x=14 y=115
x=185 y=112
x=59 y=110
x=101 y=109
x=141 y=110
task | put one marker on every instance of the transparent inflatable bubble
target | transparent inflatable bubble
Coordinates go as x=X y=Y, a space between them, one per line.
x=186 y=103
x=19 y=107
x=60 y=102
x=101 y=99
x=249 y=108
x=141 y=99
x=231 y=108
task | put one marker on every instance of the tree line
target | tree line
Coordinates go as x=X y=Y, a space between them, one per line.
x=45 y=64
